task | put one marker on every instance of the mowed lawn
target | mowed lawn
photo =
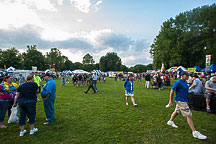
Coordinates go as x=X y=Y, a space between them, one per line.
x=104 y=118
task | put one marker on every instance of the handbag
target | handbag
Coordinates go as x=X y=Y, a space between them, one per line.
x=13 y=117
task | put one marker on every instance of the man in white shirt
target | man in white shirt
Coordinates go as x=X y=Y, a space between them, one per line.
x=95 y=77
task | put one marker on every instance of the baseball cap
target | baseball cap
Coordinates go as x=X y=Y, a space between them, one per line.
x=185 y=73
x=47 y=74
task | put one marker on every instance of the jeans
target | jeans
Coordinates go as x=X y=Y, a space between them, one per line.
x=3 y=109
x=89 y=87
x=95 y=82
x=9 y=107
x=49 y=109
x=29 y=109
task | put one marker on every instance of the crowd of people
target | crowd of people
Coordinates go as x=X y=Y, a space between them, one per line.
x=25 y=94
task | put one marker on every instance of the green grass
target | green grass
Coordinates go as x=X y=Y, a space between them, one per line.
x=104 y=118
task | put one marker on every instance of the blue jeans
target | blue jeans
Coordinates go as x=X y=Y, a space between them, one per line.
x=49 y=109
x=3 y=109
x=27 y=109
x=95 y=83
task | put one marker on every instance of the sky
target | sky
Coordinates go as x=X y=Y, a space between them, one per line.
x=78 y=27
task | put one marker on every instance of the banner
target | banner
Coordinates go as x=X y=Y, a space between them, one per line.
x=191 y=70
x=34 y=68
x=175 y=69
x=208 y=62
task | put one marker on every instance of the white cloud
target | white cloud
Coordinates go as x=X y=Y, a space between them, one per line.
x=79 y=20
x=17 y=15
x=85 y=6
x=82 y=5
x=39 y=4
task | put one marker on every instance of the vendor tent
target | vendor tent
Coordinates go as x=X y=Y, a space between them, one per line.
x=181 y=68
x=96 y=71
x=212 y=68
x=11 y=69
x=78 y=71
x=198 y=69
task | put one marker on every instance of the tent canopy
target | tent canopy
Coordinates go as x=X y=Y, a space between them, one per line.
x=96 y=71
x=212 y=68
x=181 y=68
x=198 y=69
x=78 y=71
x=11 y=69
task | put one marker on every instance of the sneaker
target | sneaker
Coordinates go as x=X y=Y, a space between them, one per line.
x=126 y=104
x=47 y=123
x=198 y=135
x=135 y=105
x=22 y=133
x=208 y=109
x=33 y=131
x=171 y=123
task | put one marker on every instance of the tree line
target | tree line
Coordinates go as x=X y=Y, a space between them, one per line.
x=54 y=59
x=186 y=39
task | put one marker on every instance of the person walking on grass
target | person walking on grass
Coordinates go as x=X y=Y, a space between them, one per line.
x=26 y=97
x=129 y=91
x=67 y=78
x=90 y=85
x=95 y=78
x=48 y=94
x=63 y=79
x=181 y=98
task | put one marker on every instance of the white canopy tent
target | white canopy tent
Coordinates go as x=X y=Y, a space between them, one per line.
x=78 y=71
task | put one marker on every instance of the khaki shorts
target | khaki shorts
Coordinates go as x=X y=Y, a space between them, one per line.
x=183 y=108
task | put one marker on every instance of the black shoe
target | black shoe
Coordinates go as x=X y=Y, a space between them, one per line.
x=85 y=92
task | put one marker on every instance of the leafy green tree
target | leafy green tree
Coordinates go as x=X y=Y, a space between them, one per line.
x=55 y=59
x=110 y=62
x=88 y=59
x=11 y=57
x=78 y=65
x=186 y=39
x=33 y=57
x=68 y=65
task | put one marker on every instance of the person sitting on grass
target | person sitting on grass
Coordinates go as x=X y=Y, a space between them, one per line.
x=129 y=91
x=181 y=98
x=90 y=85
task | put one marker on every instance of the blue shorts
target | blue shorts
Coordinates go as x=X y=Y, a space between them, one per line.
x=127 y=93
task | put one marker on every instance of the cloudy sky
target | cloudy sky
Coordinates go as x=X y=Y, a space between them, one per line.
x=77 y=27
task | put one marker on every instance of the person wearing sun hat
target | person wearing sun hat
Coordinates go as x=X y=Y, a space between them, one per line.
x=48 y=94
x=181 y=98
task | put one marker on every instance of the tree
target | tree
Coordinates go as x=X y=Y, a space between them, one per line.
x=110 y=62
x=33 y=57
x=78 y=65
x=55 y=59
x=11 y=57
x=186 y=39
x=88 y=59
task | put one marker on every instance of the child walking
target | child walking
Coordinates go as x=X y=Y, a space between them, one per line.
x=129 y=91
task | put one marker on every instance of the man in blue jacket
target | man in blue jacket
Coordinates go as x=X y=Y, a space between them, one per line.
x=48 y=94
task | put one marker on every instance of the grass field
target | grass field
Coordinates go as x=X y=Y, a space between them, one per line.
x=104 y=118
